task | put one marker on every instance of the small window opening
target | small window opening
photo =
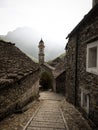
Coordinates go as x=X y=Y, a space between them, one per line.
x=92 y=57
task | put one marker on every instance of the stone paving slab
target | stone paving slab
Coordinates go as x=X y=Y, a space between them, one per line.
x=49 y=116
x=47 y=124
x=48 y=112
x=50 y=96
x=37 y=128
x=48 y=120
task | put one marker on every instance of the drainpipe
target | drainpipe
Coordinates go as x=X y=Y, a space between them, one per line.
x=76 y=67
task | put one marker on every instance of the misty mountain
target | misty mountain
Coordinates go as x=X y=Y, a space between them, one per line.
x=27 y=40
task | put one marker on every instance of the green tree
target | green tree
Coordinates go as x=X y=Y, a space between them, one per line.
x=46 y=81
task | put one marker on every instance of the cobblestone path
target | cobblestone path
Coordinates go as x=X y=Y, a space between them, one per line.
x=48 y=116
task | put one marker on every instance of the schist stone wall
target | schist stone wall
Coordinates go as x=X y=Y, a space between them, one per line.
x=88 y=82
x=60 y=83
x=81 y=85
x=70 y=69
x=19 y=79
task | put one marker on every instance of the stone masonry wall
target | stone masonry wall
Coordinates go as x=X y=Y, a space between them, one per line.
x=87 y=32
x=70 y=70
x=19 y=77
x=18 y=94
x=88 y=81
x=60 y=83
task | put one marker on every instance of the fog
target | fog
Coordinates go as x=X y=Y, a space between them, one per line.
x=27 y=40
x=50 y=20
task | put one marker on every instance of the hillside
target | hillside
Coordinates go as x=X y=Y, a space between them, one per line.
x=57 y=61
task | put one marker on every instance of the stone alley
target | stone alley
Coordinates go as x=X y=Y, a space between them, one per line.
x=48 y=115
x=49 y=65
x=51 y=112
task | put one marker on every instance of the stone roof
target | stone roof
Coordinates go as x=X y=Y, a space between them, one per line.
x=93 y=12
x=14 y=64
x=59 y=70
x=59 y=65
x=49 y=66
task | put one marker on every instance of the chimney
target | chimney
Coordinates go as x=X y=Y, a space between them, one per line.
x=94 y=2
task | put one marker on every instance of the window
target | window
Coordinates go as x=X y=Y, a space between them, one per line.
x=92 y=57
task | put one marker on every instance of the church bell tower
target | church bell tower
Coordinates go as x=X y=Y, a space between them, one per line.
x=41 y=52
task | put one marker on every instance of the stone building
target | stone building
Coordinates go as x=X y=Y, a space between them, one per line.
x=82 y=65
x=57 y=72
x=18 y=79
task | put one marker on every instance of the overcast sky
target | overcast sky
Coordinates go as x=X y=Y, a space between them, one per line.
x=52 y=19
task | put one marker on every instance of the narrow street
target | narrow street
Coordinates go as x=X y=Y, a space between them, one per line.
x=51 y=112
x=48 y=116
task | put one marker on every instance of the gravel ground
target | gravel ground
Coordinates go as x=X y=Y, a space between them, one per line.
x=73 y=117
x=18 y=121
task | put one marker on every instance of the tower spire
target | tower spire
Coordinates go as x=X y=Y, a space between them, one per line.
x=41 y=52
